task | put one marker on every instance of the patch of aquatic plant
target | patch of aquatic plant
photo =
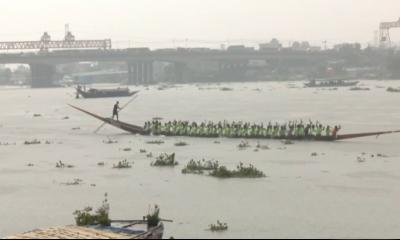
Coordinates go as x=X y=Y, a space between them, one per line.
x=382 y=155
x=153 y=217
x=101 y=164
x=361 y=159
x=240 y=172
x=122 y=164
x=219 y=227
x=32 y=142
x=74 y=182
x=7 y=144
x=198 y=167
x=30 y=165
x=244 y=145
x=158 y=142
x=181 y=144
x=60 y=164
x=226 y=89
x=127 y=149
x=263 y=147
x=87 y=217
x=37 y=115
x=149 y=155
x=165 y=160
x=110 y=141
x=288 y=142
x=143 y=151
x=359 y=89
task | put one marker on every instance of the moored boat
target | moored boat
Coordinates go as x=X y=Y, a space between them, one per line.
x=330 y=83
x=134 y=129
x=104 y=93
x=394 y=90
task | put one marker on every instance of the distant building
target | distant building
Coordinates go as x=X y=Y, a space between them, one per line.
x=315 y=49
x=274 y=44
x=240 y=48
x=347 y=46
x=305 y=46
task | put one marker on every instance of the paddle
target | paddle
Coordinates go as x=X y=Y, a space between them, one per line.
x=129 y=102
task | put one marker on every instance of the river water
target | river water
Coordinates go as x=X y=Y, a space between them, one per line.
x=331 y=195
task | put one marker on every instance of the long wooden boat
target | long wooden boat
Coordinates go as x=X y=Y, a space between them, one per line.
x=130 y=231
x=104 y=93
x=330 y=83
x=126 y=230
x=134 y=129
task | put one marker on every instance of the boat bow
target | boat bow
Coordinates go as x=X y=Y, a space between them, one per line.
x=118 y=124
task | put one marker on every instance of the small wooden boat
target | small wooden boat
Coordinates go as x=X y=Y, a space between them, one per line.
x=104 y=93
x=140 y=130
x=330 y=83
x=394 y=90
x=122 y=230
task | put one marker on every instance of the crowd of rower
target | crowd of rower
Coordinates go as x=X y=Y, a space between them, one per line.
x=241 y=130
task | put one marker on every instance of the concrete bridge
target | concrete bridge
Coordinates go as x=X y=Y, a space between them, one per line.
x=140 y=60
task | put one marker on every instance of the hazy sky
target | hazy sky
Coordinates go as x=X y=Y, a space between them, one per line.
x=160 y=21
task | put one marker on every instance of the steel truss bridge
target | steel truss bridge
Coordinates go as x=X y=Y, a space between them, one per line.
x=45 y=45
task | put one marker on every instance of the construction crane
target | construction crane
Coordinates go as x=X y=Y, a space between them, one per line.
x=384 y=32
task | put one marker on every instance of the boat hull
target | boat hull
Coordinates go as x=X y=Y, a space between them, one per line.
x=346 y=84
x=105 y=93
x=134 y=129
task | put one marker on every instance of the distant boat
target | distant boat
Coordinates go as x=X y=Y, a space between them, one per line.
x=391 y=89
x=104 y=93
x=330 y=83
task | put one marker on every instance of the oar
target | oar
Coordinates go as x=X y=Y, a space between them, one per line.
x=130 y=101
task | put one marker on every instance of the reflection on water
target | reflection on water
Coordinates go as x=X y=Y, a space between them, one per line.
x=329 y=195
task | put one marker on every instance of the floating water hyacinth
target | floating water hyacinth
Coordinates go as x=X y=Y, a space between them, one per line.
x=240 y=172
x=122 y=164
x=219 y=227
x=198 y=167
x=165 y=160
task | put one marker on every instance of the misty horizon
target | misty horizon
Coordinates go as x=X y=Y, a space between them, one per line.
x=191 y=23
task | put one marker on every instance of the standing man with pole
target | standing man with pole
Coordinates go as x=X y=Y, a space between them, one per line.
x=116 y=110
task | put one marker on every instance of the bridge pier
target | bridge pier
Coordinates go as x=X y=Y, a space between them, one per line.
x=151 y=72
x=179 y=69
x=140 y=72
x=43 y=75
x=228 y=71
x=145 y=72
x=133 y=77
